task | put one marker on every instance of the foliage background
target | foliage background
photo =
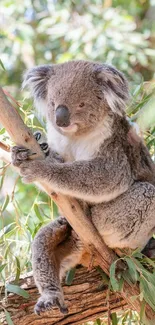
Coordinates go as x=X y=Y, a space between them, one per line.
x=36 y=32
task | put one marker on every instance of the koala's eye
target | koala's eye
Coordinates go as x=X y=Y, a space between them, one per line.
x=53 y=104
x=81 y=104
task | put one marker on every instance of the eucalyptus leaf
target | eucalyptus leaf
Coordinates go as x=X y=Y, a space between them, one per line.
x=148 y=292
x=142 y=310
x=2 y=65
x=114 y=319
x=114 y=281
x=2 y=267
x=17 y=290
x=17 y=270
x=2 y=131
x=37 y=212
x=105 y=278
x=70 y=276
x=6 y=201
x=132 y=269
x=8 y=318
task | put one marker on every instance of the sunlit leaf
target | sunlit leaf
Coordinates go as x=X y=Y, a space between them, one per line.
x=2 y=267
x=6 y=201
x=2 y=131
x=114 y=319
x=37 y=212
x=2 y=65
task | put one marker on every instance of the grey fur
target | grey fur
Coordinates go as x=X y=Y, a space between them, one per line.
x=36 y=78
x=105 y=165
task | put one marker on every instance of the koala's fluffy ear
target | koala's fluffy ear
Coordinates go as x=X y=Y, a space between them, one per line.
x=36 y=80
x=115 y=87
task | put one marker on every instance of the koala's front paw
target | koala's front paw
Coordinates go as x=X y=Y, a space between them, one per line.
x=31 y=170
x=48 y=301
x=19 y=154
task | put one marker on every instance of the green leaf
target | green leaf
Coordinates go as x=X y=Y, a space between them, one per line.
x=16 y=289
x=113 y=279
x=149 y=261
x=37 y=212
x=2 y=65
x=105 y=278
x=70 y=276
x=138 y=90
x=6 y=229
x=132 y=269
x=114 y=319
x=6 y=201
x=149 y=276
x=137 y=253
x=17 y=271
x=2 y=267
x=124 y=319
x=8 y=318
x=2 y=131
x=142 y=310
x=127 y=277
x=148 y=292
x=98 y=321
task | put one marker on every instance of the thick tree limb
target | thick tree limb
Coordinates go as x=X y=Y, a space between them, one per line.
x=104 y=256
x=86 y=284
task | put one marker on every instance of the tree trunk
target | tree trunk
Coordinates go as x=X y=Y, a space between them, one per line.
x=87 y=299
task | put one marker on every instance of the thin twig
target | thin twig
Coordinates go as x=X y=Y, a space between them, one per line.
x=4 y=146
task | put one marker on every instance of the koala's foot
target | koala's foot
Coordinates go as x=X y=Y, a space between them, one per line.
x=48 y=301
x=60 y=230
x=57 y=231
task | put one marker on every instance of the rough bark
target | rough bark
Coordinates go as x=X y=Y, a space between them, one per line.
x=104 y=256
x=85 y=299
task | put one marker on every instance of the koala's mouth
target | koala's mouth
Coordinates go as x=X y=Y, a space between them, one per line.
x=70 y=128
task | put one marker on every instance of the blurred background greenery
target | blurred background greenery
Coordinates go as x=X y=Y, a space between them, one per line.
x=35 y=32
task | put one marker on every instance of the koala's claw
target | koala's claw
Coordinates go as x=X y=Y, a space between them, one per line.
x=44 y=146
x=44 y=304
x=63 y=309
x=19 y=154
x=37 y=135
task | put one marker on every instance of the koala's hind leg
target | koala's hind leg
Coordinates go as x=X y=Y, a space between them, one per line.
x=54 y=251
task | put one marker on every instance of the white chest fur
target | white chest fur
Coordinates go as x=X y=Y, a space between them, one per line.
x=72 y=149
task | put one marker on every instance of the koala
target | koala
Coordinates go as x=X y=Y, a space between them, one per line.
x=95 y=156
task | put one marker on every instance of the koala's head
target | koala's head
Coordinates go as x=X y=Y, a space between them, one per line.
x=78 y=95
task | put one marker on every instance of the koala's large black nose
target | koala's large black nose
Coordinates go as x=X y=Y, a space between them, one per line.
x=62 y=116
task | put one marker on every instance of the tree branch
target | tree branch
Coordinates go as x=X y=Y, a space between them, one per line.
x=94 y=303
x=104 y=256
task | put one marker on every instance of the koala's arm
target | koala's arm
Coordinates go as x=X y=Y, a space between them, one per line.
x=97 y=180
